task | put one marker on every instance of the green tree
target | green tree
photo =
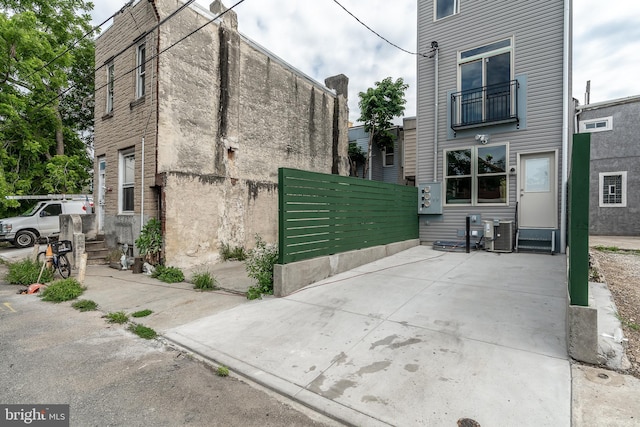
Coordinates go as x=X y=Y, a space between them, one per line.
x=46 y=97
x=378 y=106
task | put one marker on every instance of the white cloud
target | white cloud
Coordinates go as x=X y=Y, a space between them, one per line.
x=321 y=39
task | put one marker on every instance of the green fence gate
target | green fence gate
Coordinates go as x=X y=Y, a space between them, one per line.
x=322 y=214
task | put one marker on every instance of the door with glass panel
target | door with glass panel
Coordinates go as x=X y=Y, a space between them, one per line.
x=538 y=207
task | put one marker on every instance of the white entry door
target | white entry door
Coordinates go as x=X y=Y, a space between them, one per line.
x=538 y=198
x=102 y=167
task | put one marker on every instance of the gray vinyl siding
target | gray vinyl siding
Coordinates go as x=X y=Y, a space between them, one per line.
x=537 y=30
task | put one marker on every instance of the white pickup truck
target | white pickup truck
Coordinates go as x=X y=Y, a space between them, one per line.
x=42 y=220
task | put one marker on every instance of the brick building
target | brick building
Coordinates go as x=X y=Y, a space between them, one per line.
x=192 y=129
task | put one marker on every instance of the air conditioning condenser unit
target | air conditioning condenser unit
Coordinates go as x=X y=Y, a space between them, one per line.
x=498 y=235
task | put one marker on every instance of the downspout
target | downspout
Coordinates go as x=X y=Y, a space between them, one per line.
x=565 y=124
x=435 y=50
x=149 y=118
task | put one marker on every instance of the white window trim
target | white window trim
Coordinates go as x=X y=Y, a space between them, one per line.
x=474 y=175
x=456 y=10
x=140 y=72
x=601 y=203
x=608 y=124
x=485 y=55
x=121 y=184
x=384 y=158
x=110 y=87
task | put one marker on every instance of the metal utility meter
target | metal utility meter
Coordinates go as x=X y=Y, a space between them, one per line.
x=430 y=198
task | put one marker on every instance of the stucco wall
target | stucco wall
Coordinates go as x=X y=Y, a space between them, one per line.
x=229 y=114
x=615 y=150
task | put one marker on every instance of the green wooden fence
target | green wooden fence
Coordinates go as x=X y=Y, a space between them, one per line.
x=579 y=220
x=323 y=214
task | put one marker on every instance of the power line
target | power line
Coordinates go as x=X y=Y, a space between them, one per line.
x=74 y=44
x=377 y=34
x=174 y=44
x=136 y=41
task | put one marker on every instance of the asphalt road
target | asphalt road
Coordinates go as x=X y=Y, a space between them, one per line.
x=54 y=354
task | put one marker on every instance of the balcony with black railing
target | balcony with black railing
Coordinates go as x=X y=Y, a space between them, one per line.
x=485 y=106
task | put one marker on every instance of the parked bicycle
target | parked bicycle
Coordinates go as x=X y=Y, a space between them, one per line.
x=55 y=258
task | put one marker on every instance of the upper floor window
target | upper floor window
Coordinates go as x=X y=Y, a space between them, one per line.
x=487 y=90
x=110 y=85
x=596 y=125
x=613 y=189
x=476 y=175
x=444 y=8
x=127 y=180
x=141 y=70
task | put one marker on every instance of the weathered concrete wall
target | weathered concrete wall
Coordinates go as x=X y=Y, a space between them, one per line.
x=232 y=212
x=223 y=135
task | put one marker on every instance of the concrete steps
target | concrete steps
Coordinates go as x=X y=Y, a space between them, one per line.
x=97 y=251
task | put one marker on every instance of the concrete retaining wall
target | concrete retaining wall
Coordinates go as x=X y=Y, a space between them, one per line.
x=288 y=278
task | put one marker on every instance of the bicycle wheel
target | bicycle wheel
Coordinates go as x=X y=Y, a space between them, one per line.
x=63 y=266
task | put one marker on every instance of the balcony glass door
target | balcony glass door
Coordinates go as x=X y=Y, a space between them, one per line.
x=498 y=76
x=471 y=87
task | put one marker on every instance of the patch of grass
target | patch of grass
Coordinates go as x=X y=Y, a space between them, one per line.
x=117 y=317
x=204 y=281
x=616 y=249
x=26 y=272
x=141 y=313
x=143 y=331
x=222 y=371
x=62 y=290
x=85 y=305
x=236 y=253
x=168 y=274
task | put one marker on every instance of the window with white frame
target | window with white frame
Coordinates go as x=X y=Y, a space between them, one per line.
x=444 y=8
x=484 y=76
x=141 y=70
x=127 y=180
x=476 y=175
x=613 y=189
x=596 y=125
x=387 y=156
x=110 y=87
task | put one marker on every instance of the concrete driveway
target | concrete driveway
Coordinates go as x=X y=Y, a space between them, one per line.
x=419 y=338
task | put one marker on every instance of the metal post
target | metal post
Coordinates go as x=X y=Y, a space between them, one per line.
x=467 y=234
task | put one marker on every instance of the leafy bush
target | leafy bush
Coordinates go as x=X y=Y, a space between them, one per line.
x=236 y=253
x=222 y=371
x=85 y=305
x=149 y=243
x=117 y=317
x=204 y=281
x=259 y=265
x=168 y=274
x=143 y=332
x=26 y=272
x=141 y=313
x=62 y=290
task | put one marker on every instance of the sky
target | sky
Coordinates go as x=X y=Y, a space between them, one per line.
x=320 y=39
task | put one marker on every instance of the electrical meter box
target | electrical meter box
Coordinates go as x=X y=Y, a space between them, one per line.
x=430 y=198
